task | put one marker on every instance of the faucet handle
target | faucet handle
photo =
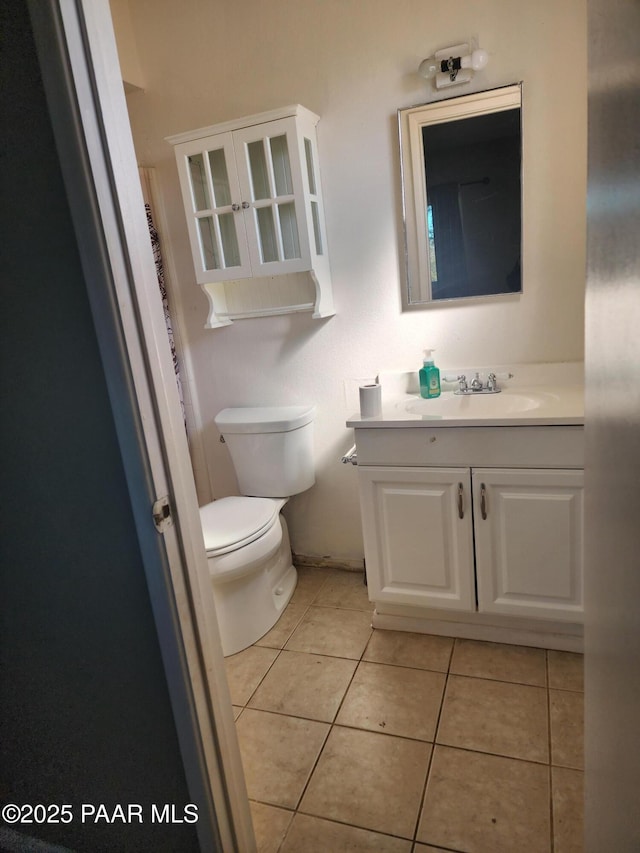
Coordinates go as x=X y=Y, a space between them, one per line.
x=463 y=386
x=492 y=382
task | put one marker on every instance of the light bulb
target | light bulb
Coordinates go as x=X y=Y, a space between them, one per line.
x=477 y=60
x=429 y=67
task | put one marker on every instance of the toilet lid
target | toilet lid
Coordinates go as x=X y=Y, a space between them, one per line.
x=230 y=523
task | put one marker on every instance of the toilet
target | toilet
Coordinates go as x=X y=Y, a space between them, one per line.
x=246 y=537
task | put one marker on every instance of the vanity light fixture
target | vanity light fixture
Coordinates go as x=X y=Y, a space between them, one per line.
x=453 y=65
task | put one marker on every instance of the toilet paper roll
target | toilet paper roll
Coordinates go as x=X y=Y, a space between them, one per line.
x=370 y=400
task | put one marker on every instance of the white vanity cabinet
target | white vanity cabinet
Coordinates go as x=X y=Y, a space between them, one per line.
x=253 y=205
x=485 y=522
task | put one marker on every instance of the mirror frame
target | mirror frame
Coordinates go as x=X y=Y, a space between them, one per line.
x=417 y=284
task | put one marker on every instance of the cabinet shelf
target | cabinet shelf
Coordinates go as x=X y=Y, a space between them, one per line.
x=253 y=204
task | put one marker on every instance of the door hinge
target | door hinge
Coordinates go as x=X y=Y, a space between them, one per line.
x=162 y=514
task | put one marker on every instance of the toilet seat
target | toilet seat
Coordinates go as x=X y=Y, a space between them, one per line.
x=231 y=523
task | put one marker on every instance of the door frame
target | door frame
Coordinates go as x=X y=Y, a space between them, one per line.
x=83 y=85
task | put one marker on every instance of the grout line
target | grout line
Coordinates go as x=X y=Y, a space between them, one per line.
x=342 y=607
x=546 y=669
x=567 y=690
x=403 y=666
x=376 y=732
x=433 y=747
x=313 y=769
x=444 y=849
x=499 y=680
x=494 y=754
x=332 y=723
x=344 y=695
x=356 y=826
x=246 y=704
x=329 y=730
x=551 y=816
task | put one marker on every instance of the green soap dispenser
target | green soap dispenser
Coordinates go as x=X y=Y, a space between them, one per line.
x=429 y=377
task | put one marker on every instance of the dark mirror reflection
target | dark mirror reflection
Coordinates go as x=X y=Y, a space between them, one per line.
x=474 y=219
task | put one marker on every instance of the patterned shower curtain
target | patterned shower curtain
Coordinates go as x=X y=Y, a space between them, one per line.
x=147 y=191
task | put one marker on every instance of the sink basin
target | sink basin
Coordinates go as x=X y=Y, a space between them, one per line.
x=481 y=406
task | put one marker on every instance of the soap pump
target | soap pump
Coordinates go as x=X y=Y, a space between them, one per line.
x=429 y=377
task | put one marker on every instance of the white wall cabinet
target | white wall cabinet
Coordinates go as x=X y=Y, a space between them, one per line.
x=253 y=205
x=433 y=536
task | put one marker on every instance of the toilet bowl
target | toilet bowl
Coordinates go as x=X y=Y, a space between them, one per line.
x=246 y=536
x=253 y=577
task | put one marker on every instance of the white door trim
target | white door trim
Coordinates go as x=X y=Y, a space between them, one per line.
x=182 y=603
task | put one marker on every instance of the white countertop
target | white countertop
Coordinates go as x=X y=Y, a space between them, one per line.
x=536 y=395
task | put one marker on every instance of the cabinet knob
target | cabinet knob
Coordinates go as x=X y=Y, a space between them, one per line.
x=245 y=205
x=235 y=207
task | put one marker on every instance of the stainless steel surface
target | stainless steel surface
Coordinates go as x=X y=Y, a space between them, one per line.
x=612 y=471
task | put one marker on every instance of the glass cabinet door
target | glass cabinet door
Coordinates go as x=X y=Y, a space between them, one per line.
x=216 y=225
x=270 y=180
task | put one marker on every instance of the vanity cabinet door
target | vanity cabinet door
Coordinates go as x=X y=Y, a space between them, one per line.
x=418 y=539
x=528 y=537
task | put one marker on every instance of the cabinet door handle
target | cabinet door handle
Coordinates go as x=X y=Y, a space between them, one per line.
x=460 y=501
x=483 y=501
x=245 y=205
x=235 y=207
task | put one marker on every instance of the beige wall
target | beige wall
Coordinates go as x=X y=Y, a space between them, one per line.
x=127 y=47
x=354 y=63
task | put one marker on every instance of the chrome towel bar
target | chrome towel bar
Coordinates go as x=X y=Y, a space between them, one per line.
x=351 y=456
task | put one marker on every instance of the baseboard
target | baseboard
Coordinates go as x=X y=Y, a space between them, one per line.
x=311 y=561
x=572 y=641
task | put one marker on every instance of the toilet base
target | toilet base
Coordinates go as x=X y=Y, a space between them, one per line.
x=249 y=606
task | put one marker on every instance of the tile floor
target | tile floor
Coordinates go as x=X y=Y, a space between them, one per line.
x=360 y=740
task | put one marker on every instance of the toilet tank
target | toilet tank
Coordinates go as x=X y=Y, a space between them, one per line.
x=271 y=448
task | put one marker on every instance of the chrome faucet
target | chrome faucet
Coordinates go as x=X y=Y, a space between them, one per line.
x=476 y=384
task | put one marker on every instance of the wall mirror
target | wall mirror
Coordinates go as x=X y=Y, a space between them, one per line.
x=461 y=162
